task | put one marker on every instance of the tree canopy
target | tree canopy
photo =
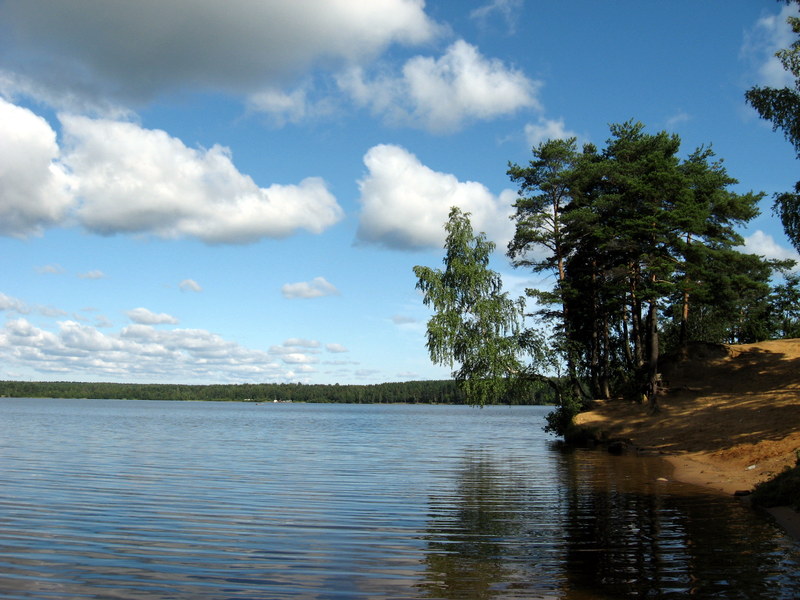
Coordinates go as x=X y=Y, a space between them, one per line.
x=475 y=324
x=782 y=107
x=645 y=254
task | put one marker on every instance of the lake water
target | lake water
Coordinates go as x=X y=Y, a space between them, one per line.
x=134 y=500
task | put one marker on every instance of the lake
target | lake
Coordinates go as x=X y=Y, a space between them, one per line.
x=132 y=500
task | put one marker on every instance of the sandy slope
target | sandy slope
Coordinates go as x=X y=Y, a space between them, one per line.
x=730 y=419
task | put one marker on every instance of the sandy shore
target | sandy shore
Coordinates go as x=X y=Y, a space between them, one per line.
x=730 y=419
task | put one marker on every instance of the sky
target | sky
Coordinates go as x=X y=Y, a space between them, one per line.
x=237 y=192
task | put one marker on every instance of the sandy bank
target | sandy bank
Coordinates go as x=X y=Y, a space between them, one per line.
x=730 y=418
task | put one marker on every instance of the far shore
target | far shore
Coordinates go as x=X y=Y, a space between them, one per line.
x=730 y=418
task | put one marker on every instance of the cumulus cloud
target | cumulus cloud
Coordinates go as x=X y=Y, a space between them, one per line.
x=298 y=352
x=405 y=204
x=442 y=94
x=316 y=288
x=137 y=353
x=35 y=188
x=770 y=34
x=335 y=348
x=135 y=180
x=547 y=129
x=298 y=358
x=117 y=177
x=190 y=285
x=146 y=317
x=93 y=48
x=763 y=244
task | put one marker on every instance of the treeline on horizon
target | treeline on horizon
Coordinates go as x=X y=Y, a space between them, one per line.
x=409 y=392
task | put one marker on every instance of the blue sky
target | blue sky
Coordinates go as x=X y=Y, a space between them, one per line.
x=225 y=192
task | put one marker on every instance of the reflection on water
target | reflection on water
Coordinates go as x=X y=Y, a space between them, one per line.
x=631 y=535
x=102 y=499
x=494 y=535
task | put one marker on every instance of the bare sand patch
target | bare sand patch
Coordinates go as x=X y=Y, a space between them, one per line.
x=730 y=417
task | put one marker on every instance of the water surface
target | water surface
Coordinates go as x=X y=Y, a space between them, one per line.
x=130 y=499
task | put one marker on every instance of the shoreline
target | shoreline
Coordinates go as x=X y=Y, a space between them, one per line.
x=699 y=471
x=729 y=418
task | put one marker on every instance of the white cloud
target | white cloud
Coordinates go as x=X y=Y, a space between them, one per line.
x=137 y=353
x=507 y=9
x=677 y=119
x=335 y=348
x=442 y=94
x=50 y=270
x=34 y=186
x=52 y=312
x=144 y=316
x=94 y=274
x=298 y=358
x=190 y=285
x=135 y=180
x=301 y=343
x=547 y=129
x=770 y=34
x=135 y=51
x=285 y=107
x=316 y=288
x=405 y=204
x=298 y=352
x=763 y=244
x=10 y=304
x=289 y=106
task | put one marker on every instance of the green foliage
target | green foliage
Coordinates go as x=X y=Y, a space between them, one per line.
x=475 y=325
x=560 y=420
x=643 y=246
x=642 y=243
x=784 y=306
x=412 y=392
x=782 y=107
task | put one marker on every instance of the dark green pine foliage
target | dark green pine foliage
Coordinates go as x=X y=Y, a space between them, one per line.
x=782 y=107
x=644 y=257
x=784 y=305
x=545 y=189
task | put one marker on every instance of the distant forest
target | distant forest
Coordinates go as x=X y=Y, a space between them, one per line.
x=410 y=392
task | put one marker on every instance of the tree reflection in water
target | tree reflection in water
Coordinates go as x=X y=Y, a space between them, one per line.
x=600 y=527
x=631 y=534
x=491 y=538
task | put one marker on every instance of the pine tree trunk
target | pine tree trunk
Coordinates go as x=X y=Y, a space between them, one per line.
x=683 y=339
x=605 y=386
x=651 y=386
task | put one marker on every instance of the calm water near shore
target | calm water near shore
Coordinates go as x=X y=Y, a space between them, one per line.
x=130 y=500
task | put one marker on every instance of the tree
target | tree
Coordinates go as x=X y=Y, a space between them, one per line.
x=782 y=107
x=785 y=307
x=475 y=324
x=632 y=234
x=545 y=188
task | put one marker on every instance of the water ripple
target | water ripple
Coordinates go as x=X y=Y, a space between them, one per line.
x=124 y=500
